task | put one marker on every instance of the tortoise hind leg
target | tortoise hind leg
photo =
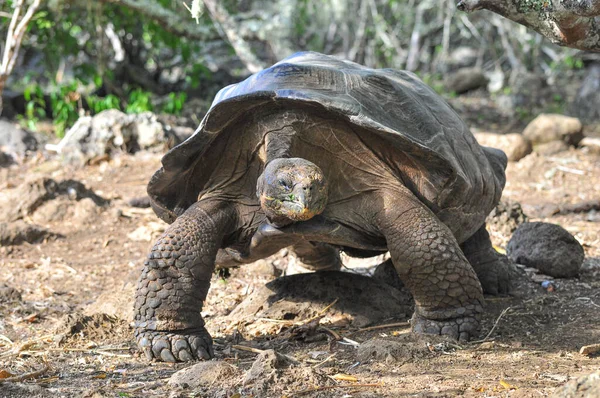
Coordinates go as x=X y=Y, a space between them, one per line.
x=447 y=293
x=493 y=269
x=175 y=281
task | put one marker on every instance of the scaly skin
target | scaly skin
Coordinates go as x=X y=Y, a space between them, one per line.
x=493 y=269
x=429 y=261
x=175 y=281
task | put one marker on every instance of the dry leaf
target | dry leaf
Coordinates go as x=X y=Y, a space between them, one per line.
x=344 y=377
x=507 y=385
x=5 y=374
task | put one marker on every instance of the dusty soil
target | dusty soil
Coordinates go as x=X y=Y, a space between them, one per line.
x=65 y=307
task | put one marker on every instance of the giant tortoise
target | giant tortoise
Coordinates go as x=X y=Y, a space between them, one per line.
x=323 y=155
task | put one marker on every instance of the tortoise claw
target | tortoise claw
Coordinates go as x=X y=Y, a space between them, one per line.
x=173 y=347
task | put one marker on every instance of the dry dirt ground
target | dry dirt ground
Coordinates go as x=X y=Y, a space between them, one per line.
x=65 y=307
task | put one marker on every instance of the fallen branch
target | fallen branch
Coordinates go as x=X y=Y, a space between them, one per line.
x=25 y=376
x=566 y=23
x=389 y=325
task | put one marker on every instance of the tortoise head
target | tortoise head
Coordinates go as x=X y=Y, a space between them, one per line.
x=290 y=190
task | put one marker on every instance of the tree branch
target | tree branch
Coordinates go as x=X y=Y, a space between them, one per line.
x=565 y=22
x=172 y=21
x=222 y=19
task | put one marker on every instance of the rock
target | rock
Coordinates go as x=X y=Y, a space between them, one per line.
x=265 y=367
x=18 y=232
x=515 y=146
x=360 y=300
x=400 y=349
x=9 y=293
x=553 y=127
x=587 y=101
x=29 y=196
x=506 y=217
x=6 y=160
x=547 y=247
x=463 y=57
x=527 y=89
x=551 y=148
x=148 y=131
x=115 y=301
x=15 y=140
x=203 y=374
x=583 y=387
x=592 y=144
x=466 y=79
x=111 y=131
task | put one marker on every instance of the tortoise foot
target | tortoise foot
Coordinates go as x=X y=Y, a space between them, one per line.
x=461 y=329
x=175 y=347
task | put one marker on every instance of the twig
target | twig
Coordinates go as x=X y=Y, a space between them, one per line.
x=25 y=376
x=246 y=348
x=307 y=391
x=325 y=360
x=493 y=327
x=335 y=334
x=389 y=325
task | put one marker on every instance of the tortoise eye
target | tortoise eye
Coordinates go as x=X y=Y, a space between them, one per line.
x=284 y=184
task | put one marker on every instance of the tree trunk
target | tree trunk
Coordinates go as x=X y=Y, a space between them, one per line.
x=3 y=79
x=222 y=19
x=565 y=22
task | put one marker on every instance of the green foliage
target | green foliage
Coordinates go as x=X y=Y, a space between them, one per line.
x=65 y=102
x=175 y=103
x=35 y=106
x=139 y=101
x=99 y=104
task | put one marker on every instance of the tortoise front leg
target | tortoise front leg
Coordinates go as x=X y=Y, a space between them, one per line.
x=448 y=296
x=175 y=281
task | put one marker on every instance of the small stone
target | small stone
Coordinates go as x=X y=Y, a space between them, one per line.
x=551 y=148
x=583 y=387
x=202 y=374
x=547 y=247
x=554 y=127
x=466 y=79
x=515 y=146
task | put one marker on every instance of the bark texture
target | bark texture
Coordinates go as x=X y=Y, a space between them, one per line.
x=569 y=23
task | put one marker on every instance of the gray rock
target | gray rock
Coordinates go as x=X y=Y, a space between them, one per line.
x=15 y=140
x=587 y=102
x=547 y=247
x=111 y=131
x=583 y=387
x=466 y=79
x=527 y=89
x=515 y=146
x=265 y=367
x=554 y=127
x=202 y=374
x=9 y=293
x=402 y=348
x=18 y=232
